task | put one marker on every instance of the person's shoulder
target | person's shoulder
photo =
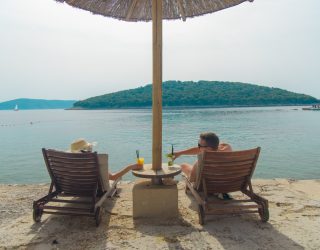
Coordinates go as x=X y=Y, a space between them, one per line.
x=225 y=147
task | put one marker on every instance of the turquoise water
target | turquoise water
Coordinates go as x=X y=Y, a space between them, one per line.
x=290 y=139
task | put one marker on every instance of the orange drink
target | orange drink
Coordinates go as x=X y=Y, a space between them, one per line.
x=140 y=161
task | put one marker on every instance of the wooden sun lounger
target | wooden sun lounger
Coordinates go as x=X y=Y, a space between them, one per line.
x=225 y=172
x=78 y=185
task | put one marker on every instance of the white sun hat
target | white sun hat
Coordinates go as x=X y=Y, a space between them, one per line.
x=81 y=145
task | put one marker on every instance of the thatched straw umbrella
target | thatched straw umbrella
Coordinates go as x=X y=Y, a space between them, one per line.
x=155 y=10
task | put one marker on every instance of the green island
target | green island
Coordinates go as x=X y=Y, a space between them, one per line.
x=198 y=94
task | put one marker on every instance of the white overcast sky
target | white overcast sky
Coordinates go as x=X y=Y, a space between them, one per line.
x=53 y=51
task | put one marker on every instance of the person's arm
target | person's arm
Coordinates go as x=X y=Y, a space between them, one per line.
x=117 y=175
x=190 y=151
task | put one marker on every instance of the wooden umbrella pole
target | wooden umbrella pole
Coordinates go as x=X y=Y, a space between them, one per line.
x=157 y=85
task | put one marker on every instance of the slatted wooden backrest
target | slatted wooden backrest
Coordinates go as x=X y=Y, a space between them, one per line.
x=223 y=172
x=73 y=173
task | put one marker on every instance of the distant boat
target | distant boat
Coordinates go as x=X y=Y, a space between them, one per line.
x=16 y=108
x=314 y=107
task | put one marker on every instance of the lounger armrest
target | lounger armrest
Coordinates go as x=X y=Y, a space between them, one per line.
x=110 y=193
x=254 y=196
x=46 y=199
x=194 y=192
x=113 y=186
x=184 y=176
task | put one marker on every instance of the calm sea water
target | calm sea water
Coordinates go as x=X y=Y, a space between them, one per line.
x=289 y=137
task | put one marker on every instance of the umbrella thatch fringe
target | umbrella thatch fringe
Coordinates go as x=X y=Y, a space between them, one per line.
x=140 y=10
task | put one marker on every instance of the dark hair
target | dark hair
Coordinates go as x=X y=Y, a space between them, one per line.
x=211 y=139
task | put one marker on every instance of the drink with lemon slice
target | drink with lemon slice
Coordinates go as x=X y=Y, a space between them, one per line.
x=171 y=157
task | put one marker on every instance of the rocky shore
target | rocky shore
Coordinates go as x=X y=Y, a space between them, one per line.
x=294 y=222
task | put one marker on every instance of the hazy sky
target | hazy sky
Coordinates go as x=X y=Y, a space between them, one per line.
x=53 y=51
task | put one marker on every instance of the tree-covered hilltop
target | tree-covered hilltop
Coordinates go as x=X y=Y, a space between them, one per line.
x=202 y=93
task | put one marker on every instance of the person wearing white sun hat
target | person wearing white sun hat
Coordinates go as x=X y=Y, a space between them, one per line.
x=81 y=145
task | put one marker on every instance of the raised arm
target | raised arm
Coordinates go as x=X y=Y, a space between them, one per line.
x=190 y=151
x=117 y=175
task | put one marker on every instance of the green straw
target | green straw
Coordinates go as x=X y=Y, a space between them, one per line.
x=137 y=153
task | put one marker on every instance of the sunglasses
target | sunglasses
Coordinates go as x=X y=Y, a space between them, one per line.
x=201 y=146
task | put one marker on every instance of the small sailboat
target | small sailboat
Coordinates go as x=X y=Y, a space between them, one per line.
x=16 y=108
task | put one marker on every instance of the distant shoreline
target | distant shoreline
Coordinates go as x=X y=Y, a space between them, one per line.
x=193 y=107
x=169 y=107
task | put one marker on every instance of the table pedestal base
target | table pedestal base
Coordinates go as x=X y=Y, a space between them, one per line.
x=155 y=201
x=156 y=181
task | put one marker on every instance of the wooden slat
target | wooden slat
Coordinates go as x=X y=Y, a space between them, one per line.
x=77 y=183
x=227 y=164
x=233 y=207
x=229 y=172
x=78 y=193
x=78 y=186
x=66 y=169
x=234 y=153
x=75 y=191
x=82 y=167
x=225 y=178
x=75 y=213
x=76 y=157
x=227 y=175
x=67 y=155
x=231 y=212
x=225 y=169
x=74 y=168
x=221 y=158
x=70 y=201
x=224 y=187
x=72 y=177
x=227 y=189
x=84 y=164
x=78 y=178
x=72 y=161
x=75 y=172
x=223 y=202
x=68 y=208
x=224 y=183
